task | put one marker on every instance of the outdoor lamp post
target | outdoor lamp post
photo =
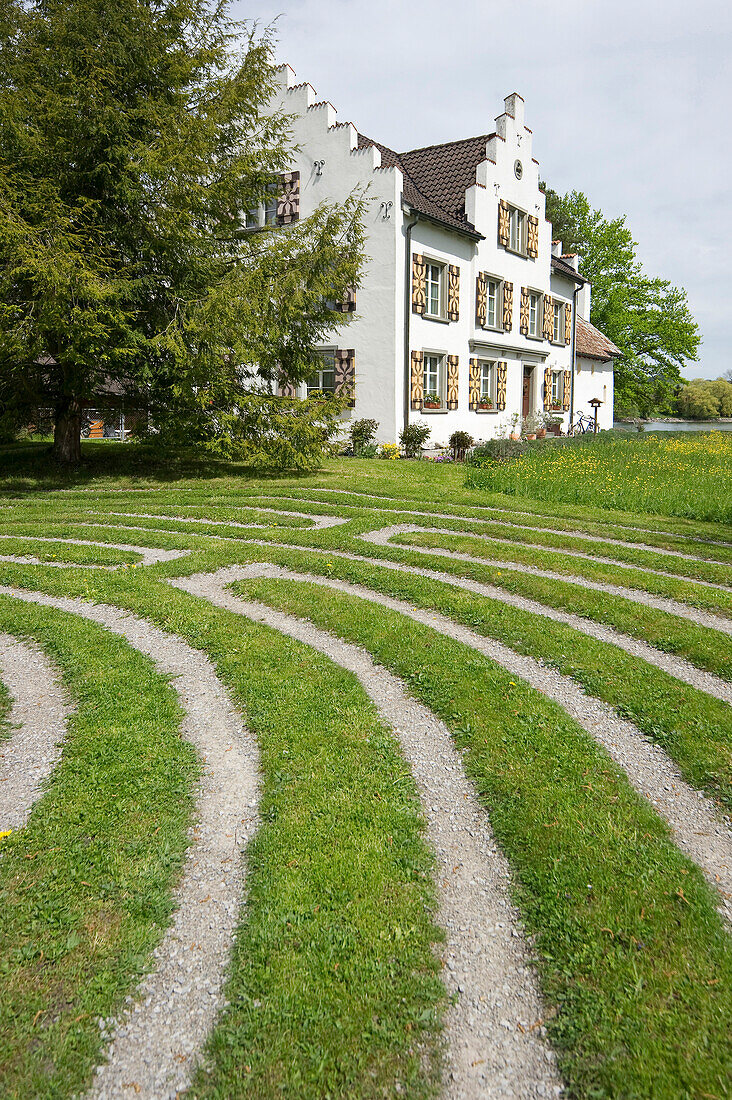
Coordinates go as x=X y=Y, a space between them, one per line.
x=595 y=402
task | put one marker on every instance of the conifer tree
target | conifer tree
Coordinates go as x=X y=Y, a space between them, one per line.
x=133 y=139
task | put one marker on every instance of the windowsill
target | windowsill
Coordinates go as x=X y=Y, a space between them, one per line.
x=523 y=255
x=433 y=412
x=558 y=343
x=435 y=317
x=490 y=328
x=538 y=339
x=490 y=412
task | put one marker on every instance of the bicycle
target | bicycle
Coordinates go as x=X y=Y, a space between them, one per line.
x=582 y=425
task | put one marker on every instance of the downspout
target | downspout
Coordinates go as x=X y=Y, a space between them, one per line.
x=407 y=307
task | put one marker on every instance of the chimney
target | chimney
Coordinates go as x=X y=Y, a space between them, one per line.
x=572 y=259
x=557 y=249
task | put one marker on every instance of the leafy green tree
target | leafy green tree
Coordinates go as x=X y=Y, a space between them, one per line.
x=133 y=138
x=648 y=318
x=705 y=399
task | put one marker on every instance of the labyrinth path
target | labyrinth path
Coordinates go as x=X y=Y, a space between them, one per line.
x=552 y=696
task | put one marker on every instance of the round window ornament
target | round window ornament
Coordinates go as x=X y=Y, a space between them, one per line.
x=518 y=169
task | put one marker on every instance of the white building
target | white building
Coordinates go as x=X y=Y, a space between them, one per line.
x=469 y=317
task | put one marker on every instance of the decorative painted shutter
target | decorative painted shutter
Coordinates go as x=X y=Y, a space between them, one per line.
x=288 y=202
x=347 y=304
x=419 y=284
x=474 y=384
x=547 y=388
x=548 y=317
x=481 y=299
x=568 y=324
x=345 y=374
x=504 y=223
x=524 y=312
x=453 y=293
x=567 y=389
x=452 y=381
x=501 y=381
x=417 y=387
x=286 y=388
x=532 y=237
x=507 y=306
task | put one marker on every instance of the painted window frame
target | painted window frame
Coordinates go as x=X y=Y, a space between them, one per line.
x=497 y=281
x=558 y=309
x=441 y=372
x=557 y=391
x=487 y=368
x=441 y=283
x=327 y=355
x=521 y=218
x=535 y=333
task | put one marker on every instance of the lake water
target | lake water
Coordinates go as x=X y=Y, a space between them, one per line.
x=680 y=426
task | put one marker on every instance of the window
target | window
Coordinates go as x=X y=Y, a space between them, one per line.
x=435 y=276
x=487 y=375
x=270 y=204
x=323 y=380
x=433 y=372
x=558 y=332
x=557 y=389
x=492 y=303
x=534 y=304
x=517 y=230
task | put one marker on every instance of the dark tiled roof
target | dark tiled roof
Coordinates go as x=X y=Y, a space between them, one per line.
x=561 y=267
x=436 y=178
x=592 y=344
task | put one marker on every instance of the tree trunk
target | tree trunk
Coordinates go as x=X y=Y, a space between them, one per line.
x=67 y=432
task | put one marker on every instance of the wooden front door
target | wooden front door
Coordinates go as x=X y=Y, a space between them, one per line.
x=526 y=403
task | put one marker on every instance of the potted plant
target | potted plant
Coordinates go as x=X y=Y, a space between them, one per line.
x=485 y=403
x=555 y=407
x=514 y=425
x=432 y=401
x=541 y=426
x=529 y=425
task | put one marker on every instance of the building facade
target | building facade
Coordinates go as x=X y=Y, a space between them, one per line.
x=468 y=317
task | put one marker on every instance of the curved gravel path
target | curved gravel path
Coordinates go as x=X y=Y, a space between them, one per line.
x=155 y=1045
x=148 y=555
x=319 y=523
x=40 y=710
x=697 y=827
x=487 y=963
x=383 y=536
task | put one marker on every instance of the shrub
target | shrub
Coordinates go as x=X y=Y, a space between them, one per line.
x=413 y=438
x=362 y=433
x=497 y=451
x=459 y=443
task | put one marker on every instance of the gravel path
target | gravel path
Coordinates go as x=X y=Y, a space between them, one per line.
x=149 y=556
x=40 y=710
x=154 y=1046
x=487 y=964
x=697 y=827
x=319 y=523
x=674 y=607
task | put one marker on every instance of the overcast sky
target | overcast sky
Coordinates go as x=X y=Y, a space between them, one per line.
x=629 y=101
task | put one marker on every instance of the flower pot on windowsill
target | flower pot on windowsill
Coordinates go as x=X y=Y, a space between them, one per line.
x=432 y=405
x=555 y=408
x=484 y=406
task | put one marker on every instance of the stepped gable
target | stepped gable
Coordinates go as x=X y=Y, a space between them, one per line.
x=436 y=177
x=591 y=344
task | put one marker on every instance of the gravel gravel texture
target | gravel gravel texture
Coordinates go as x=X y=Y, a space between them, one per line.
x=154 y=1046
x=698 y=828
x=318 y=523
x=40 y=712
x=149 y=556
x=383 y=536
x=486 y=960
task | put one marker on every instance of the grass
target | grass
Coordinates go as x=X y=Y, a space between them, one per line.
x=628 y=937
x=679 y=474
x=334 y=985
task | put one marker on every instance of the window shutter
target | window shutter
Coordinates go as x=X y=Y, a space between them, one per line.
x=567 y=389
x=347 y=303
x=286 y=388
x=453 y=293
x=473 y=384
x=345 y=374
x=417 y=387
x=507 y=306
x=452 y=381
x=501 y=380
x=481 y=299
x=532 y=237
x=548 y=317
x=568 y=324
x=524 y=312
x=547 y=388
x=288 y=202
x=419 y=284
x=504 y=230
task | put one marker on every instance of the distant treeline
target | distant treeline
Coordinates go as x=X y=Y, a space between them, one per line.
x=705 y=399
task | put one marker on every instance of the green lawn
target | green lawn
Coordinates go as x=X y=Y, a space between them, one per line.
x=334 y=987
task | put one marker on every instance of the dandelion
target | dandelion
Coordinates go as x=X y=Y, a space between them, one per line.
x=5 y=833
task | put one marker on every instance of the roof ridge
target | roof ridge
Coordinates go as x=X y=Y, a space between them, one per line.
x=442 y=144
